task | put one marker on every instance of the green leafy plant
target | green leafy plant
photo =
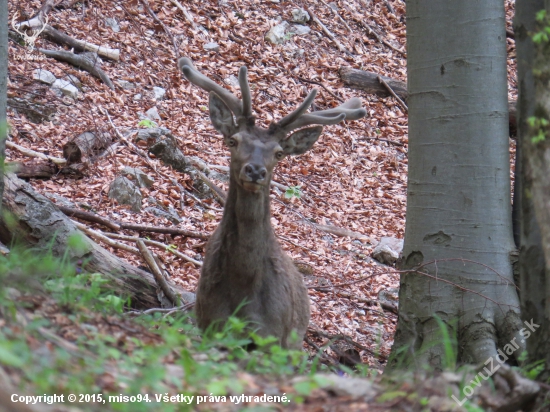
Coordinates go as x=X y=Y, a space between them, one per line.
x=293 y=191
x=538 y=127
x=542 y=36
x=449 y=344
x=147 y=123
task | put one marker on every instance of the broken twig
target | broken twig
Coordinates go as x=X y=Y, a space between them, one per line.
x=328 y=32
x=387 y=86
x=157 y=273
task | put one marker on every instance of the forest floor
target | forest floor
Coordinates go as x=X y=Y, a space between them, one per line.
x=354 y=178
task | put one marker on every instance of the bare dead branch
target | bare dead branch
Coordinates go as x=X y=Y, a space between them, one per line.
x=32 y=153
x=157 y=273
x=387 y=86
x=83 y=61
x=328 y=32
x=166 y=29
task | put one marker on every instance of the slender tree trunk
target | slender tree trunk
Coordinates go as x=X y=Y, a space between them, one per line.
x=3 y=89
x=534 y=94
x=459 y=228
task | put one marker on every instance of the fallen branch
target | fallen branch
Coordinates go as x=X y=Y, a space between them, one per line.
x=189 y=18
x=182 y=308
x=108 y=239
x=33 y=170
x=41 y=224
x=88 y=216
x=338 y=231
x=84 y=61
x=166 y=29
x=328 y=32
x=373 y=33
x=101 y=237
x=34 y=111
x=368 y=81
x=85 y=146
x=157 y=273
x=383 y=140
x=32 y=153
x=62 y=38
x=219 y=193
x=117 y=226
x=165 y=230
x=156 y=244
x=388 y=87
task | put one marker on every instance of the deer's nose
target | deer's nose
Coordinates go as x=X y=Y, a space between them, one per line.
x=256 y=173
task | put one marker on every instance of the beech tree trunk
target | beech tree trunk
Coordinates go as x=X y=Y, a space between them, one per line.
x=368 y=82
x=458 y=229
x=40 y=224
x=3 y=89
x=534 y=101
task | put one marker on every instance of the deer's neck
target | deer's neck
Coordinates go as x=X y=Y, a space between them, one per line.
x=247 y=215
x=246 y=236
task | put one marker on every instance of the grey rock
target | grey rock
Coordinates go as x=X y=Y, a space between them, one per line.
x=153 y=113
x=159 y=92
x=213 y=47
x=44 y=76
x=277 y=33
x=354 y=387
x=113 y=24
x=157 y=211
x=187 y=297
x=126 y=85
x=12 y=294
x=65 y=87
x=152 y=133
x=142 y=179
x=387 y=251
x=299 y=30
x=333 y=6
x=75 y=81
x=137 y=97
x=300 y=16
x=125 y=193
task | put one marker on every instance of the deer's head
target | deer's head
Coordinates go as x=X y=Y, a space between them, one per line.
x=254 y=150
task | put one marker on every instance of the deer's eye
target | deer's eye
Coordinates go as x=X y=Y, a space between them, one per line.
x=279 y=155
x=231 y=142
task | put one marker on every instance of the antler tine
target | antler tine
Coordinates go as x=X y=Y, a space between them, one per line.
x=245 y=92
x=200 y=80
x=350 y=110
x=309 y=119
x=295 y=115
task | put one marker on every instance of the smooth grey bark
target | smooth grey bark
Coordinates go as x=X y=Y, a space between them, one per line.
x=534 y=258
x=458 y=228
x=3 y=89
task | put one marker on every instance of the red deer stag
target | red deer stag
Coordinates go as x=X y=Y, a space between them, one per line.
x=244 y=266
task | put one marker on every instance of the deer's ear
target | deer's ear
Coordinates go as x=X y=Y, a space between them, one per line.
x=301 y=141
x=221 y=116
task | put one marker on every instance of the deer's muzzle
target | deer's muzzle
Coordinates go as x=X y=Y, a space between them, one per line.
x=253 y=176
